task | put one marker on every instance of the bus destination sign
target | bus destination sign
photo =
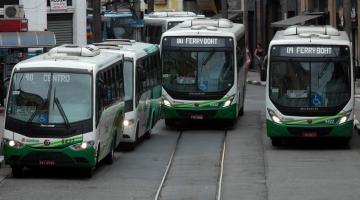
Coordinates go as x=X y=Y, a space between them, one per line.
x=306 y=51
x=205 y=42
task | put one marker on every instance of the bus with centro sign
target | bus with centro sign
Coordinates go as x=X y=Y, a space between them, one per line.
x=204 y=73
x=310 y=90
x=64 y=108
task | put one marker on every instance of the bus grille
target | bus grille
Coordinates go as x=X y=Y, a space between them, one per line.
x=296 y=131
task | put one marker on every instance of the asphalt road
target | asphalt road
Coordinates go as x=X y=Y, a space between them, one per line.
x=252 y=169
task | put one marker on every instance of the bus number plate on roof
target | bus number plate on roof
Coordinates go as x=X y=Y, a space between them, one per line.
x=309 y=51
x=204 y=42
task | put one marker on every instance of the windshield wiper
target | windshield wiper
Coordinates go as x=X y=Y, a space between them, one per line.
x=63 y=115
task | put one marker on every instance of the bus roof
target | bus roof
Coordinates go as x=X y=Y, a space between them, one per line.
x=164 y=17
x=207 y=27
x=320 y=35
x=88 y=58
x=129 y=48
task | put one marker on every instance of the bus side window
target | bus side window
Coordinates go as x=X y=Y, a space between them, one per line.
x=240 y=52
x=100 y=96
x=139 y=81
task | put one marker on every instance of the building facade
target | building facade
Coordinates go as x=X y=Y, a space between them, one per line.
x=260 y=16
x=68 y=22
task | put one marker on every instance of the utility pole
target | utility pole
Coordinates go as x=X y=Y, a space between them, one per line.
x=150 y=6
x=96 y=23
x=347 y=18
x=224 y=9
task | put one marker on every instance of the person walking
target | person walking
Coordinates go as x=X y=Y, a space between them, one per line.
x=259 y=58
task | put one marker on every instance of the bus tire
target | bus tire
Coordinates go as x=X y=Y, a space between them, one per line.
x=17 y=171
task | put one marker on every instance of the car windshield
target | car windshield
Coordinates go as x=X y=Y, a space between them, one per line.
x=198 y=71
x=50 y=98
x=310 y=84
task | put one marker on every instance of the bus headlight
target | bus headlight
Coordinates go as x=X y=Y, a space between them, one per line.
x=128 y=122
x=13 y=143
x=228 y=102
x=166 y=102
x=344 y=118
x=274 y=117
x=83 y=145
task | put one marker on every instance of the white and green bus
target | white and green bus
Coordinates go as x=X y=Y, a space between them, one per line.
x=310 y=85
x=204 y=73
x=64 y=108
x=157 y=23
x=142 y=77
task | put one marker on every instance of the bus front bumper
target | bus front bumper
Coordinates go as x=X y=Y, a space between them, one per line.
x=229 y=112
x=274 y=130
x=65 y=157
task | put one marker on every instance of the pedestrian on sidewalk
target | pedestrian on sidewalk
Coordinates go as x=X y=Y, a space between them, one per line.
x=259 y=55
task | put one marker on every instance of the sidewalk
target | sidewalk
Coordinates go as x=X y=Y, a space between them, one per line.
x=253 y=78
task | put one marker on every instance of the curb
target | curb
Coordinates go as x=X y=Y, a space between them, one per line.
x=261 y=83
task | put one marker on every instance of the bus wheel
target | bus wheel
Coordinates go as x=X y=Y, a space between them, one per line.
x=276 y=142
x=109 y=159
x=17 y=171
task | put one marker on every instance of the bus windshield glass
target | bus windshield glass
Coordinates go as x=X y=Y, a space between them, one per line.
x=320 y=78
x=207 y=66
x=50 y=98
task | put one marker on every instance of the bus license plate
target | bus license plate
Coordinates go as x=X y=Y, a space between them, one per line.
x=46 y=162
x=196 y=117
x=310 y=134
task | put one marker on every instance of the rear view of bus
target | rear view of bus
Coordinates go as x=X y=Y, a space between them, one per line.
x=310 y=90
x=53 y=117
x=203 y=70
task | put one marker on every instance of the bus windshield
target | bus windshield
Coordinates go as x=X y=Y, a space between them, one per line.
x=50 y=97
x=198 y=71
x=310 y=82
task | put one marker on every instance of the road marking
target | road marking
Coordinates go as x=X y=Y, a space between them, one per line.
x=167 y=168
x=221 y=168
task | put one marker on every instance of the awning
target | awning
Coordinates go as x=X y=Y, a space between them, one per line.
x=294 y=20
x=31 y=39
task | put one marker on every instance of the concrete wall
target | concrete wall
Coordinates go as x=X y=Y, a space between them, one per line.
x=36 y=13
x=80 y=22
